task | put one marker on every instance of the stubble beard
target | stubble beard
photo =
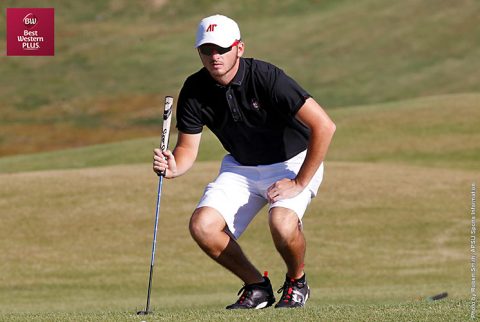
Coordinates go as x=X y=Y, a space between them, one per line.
x=223 y=73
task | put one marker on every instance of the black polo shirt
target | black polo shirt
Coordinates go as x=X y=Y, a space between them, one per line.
x=253 y=116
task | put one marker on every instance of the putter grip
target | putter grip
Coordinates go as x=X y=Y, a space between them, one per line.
x=167 y=119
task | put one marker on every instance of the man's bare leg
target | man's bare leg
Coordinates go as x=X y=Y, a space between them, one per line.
x=207 y=228
x=288 y=239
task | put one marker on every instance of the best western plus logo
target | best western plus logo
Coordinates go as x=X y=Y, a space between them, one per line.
x=30 y=32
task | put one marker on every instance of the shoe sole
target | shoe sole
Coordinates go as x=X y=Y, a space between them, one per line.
x=261 y=305
x=258 y=307
x=265 y=304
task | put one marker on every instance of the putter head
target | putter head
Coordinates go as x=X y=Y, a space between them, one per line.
x=143 y=312
x=437 y=297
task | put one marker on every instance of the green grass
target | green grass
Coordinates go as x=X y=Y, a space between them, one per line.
x=412 y=311
x=383 y=234
x=441 y=131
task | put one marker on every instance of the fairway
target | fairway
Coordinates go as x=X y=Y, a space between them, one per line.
x=381 y=239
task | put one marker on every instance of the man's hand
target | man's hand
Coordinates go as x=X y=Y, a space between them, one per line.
x=283 y=189
x=164 y=163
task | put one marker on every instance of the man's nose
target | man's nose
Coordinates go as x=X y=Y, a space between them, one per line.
x=214 y=53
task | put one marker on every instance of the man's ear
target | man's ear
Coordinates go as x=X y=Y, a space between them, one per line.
x=241 y=49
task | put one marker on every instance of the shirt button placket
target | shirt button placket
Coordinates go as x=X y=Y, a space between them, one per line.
x=232 y=105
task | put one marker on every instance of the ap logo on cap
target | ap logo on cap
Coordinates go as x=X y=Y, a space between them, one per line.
x=211 y=28
x=219 y=30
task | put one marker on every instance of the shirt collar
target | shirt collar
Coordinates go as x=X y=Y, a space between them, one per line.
x=238 y=79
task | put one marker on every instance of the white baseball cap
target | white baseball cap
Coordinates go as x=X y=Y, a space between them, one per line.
x=218 y=30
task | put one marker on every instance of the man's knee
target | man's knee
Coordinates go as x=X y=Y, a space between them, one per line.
x=205 y=222
x=284 y=223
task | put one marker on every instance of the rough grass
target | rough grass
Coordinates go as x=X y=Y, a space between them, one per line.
x=116 y=60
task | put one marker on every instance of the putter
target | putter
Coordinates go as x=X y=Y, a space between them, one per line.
x=167 y=118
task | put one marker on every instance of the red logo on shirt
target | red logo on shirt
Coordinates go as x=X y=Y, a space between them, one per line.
x=211 y=27
x=255 y=104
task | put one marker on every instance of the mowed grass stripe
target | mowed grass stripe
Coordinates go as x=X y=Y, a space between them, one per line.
x=107 y=154
x=440 y=131
x=378 y=235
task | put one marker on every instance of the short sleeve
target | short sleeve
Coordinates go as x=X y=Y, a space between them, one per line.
x=286 y=93
x=189 y=118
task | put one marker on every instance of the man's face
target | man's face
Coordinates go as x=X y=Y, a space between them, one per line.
x=221 y=62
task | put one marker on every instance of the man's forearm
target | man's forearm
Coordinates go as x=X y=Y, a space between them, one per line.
x=184 y=161
x=317 y=150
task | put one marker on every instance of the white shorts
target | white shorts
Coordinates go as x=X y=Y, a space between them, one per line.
x=239 y=192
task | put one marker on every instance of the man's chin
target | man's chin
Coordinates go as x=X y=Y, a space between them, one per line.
x=216 y=72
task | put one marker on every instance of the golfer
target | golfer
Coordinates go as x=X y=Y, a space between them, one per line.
x=276 y=136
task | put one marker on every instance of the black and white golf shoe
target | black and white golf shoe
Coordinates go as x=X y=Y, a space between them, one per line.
x=254 y=296
x=295 y=293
